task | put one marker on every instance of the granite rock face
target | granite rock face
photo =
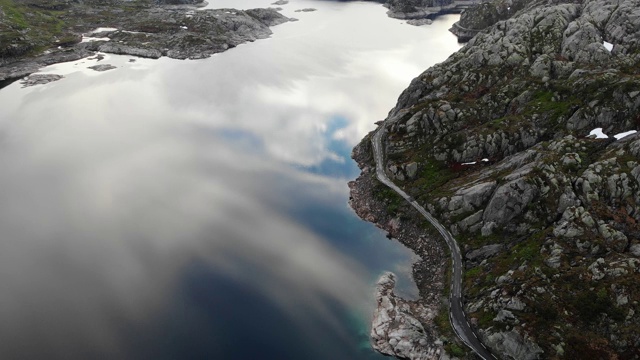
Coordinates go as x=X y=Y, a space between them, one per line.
x=547 y=215
x=511 y=344
x=396 y=331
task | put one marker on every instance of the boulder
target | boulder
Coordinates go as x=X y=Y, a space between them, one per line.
x=513 y=345
x=509 y=201
x=484 y=252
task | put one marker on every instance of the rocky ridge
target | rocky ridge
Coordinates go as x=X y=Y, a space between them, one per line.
x=38 y=34
x=495 y=143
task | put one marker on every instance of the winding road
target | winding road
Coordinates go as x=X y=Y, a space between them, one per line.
x=456 y=314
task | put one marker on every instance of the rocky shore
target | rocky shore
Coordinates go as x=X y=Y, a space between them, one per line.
x=403 y=328
x=172 y=28
x=426 y=9
x=396 y=332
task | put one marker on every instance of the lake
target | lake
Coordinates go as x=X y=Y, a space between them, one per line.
x=198 y=209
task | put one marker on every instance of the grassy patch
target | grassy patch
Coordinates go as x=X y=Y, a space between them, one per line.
x=14 y=15
x=589 y=306
x=27 y=30
x=442 y=321
x=444 y=326
x=455 y=350
x=389 y=197
x=485 y=318
x=432 y=176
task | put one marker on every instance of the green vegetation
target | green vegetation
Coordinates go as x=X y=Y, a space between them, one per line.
x=589 y=307
x=390 y=198
x=442 y=321
x=547 y=103
x=444 y=326
x=14 y=15
x=473 y=272
x=485 y=318
x=433 y=174
x=27 y=29
x=455 y=350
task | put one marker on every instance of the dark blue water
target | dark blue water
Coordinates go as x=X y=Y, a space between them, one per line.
x=198 y=209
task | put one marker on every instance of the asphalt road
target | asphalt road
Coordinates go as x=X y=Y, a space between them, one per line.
x=457 y=316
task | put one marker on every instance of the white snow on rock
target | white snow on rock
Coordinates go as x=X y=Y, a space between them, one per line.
x=102 y=29
x=626 y=133
x=598 y=133
x=90 y=39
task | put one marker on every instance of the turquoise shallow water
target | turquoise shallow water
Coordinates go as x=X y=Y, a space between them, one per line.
x=198 y=209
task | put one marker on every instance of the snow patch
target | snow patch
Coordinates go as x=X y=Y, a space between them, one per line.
x=102 y=29
x=598 y=133
x=90 y=39
x=626 y=133
x=469 y=163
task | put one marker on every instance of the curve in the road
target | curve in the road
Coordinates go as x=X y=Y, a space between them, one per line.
x=457 y=316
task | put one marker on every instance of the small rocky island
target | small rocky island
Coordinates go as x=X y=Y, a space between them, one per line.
x=36 y=33
x=523 y=145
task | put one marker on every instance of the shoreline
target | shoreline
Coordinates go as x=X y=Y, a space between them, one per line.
x=429 y=271
x=174 y=31
x=456 y=7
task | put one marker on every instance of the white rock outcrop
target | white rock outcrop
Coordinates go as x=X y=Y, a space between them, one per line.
x=395 y=331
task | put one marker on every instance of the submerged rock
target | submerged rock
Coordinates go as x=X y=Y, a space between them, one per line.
x=40 y=79
x=420 y=22
x=102 y=67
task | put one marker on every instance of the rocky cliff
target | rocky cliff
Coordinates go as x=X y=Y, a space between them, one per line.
x=495 y=142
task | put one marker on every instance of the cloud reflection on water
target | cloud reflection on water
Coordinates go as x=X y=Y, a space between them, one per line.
x=114 y=184
x=95 y=231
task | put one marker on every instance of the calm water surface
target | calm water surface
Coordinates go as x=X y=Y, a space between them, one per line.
x=198 y=209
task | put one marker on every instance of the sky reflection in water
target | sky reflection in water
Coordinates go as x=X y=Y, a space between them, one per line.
x=197 y=209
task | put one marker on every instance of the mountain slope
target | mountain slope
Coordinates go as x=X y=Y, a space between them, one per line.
x=546 y=215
